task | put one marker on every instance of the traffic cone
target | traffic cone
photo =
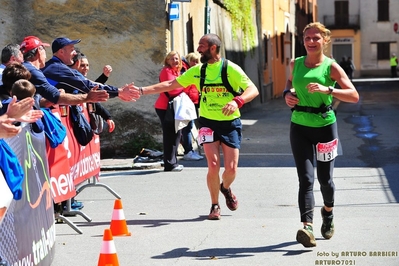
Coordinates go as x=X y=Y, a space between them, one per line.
x=108 y=255
x=118 y=223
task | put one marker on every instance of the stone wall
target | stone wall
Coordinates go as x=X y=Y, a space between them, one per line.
x=131 y=36
x=112 y=32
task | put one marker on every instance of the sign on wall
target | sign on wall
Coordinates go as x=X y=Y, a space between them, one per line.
x=174 y=11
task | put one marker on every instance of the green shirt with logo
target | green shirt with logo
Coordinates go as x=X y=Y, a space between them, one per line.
x=302 y=76
x=214 y=96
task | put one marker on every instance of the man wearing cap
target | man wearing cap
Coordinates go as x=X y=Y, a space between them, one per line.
x=34 y=54
x=58 y=72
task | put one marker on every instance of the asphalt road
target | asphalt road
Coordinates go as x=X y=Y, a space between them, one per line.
x=166 y=212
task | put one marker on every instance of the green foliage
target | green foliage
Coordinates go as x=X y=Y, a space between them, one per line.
x=241 y=19
x=143 y=140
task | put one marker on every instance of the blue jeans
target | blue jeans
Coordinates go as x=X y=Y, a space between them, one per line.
x=187 y=137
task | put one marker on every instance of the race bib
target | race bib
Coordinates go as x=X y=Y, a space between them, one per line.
x=326 y=152
x=205 y=135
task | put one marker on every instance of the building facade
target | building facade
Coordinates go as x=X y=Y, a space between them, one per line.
x=278 y=26
x=363 y=30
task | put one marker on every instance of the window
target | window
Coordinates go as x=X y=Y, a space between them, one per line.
x=341 y=13
x=383 y=51
x=383 y=10
x=266 y=51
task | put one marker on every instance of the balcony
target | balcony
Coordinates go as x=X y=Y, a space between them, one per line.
x=341 y=22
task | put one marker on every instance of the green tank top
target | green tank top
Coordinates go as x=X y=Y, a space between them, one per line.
x=302 y=76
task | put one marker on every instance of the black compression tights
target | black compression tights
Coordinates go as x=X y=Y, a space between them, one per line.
x=303 y=141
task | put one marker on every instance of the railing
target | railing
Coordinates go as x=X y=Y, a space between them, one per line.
x=342 y=22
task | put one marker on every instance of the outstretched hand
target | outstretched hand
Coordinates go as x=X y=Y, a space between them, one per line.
x=129 y=93
x=31 y=116
x=22 y=111
x=95 y=95
x=17 y=109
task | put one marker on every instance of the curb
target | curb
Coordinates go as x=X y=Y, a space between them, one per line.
x=126 y=164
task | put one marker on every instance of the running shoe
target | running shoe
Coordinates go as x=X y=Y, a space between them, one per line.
x=327 y=228
x=231 y=200
x=305 y=237
x=215 y=212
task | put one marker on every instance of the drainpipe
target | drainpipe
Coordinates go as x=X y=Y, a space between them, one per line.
x=172 y=43
x=207 y=28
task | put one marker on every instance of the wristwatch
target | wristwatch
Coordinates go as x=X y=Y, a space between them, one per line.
x=331 y=89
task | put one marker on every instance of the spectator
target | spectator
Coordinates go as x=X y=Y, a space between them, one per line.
x=170 y=138
x=13 y=72
x=81 y=63
x=85 y=67
x=10 y=54
x=22 y=89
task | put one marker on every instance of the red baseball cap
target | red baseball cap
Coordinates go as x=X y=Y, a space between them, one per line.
x=31 y=42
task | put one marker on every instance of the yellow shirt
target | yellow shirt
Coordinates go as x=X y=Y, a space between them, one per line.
x=214 y=96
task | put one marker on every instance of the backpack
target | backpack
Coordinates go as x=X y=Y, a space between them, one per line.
x=54 y=130
x=225 y=81
x=81 y=127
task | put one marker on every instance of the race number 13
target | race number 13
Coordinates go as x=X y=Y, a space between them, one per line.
x=326 y=152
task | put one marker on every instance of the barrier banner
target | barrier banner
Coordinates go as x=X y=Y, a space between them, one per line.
x=62 y=185
x=71 y=163
x=84 y=160
x=27 y=232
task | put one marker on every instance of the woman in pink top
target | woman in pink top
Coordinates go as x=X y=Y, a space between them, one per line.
x=171 y=139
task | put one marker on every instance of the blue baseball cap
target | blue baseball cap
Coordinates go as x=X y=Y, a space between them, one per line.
x=61 y=43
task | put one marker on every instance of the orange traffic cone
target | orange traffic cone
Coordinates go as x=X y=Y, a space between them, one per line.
x=108 y=255
x=118 y=223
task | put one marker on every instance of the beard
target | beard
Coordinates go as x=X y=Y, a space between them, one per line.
x=205 y=56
